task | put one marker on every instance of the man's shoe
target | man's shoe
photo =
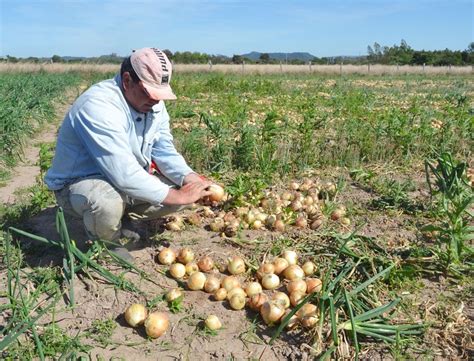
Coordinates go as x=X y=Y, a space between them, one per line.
x=123 y=253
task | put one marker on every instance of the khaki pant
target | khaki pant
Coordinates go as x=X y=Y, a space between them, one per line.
x=101 y=206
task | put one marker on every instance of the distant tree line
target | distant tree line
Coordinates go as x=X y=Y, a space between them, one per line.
x=401 y=54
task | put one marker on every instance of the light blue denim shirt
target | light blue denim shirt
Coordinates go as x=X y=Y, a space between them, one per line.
x=102 y=135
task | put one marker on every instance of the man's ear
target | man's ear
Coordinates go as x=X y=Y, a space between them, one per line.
x=126 y=79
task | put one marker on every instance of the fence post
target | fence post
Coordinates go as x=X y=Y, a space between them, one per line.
x=449 y=68
x=340 y=68
x=310 y=65
x=281 y=67
x=368 y=68
x=210 y=65
x=423 y=68
x=243 y=66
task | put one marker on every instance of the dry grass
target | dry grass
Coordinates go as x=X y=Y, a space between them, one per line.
x=251 y=68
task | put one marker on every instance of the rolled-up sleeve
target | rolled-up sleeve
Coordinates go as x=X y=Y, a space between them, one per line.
x=169 y=161
x=102 y=127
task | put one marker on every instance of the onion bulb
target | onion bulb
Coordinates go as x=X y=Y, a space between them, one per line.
x=236 y=291
x=290 y=256
x=230 y=282
x=237 y=302
x=135 y=314
x=220 y=294
x=253 y=288
x=265 y=268
x=337 y=213
x=196 y=281
x=345 y=221
x=213 y=323
x=309 y=321
x=173 y=226
x=217 y=225
x=236 y=265
x=316 y=223
x=217 y=192
x=296 y=285
x=173 y=294
x=293 y=321
x=212 y=284
x=308 y=268
x=314 y=285
x=279 y=226
x=191 y=267
x=185 y=255
x=270 y=281
x=293 y=272
x=256 y=301
x=280 y=265
x=177 y=270
x=156 y=324
x=301 y=222
x=282 y=298
x=308 y=309
x=296 y=297
x=206 y=264
x=271 y=312
x=166 y=256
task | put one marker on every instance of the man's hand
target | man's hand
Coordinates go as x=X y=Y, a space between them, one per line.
x=194 y=178
x=188 y=193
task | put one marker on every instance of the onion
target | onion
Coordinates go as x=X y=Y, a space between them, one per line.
x=345 y=221
x=294 y=186
x=177 y=270
x=257 y=224
x=167 y=256
x=236 y=265
x=271 y=312
x=296 y=297
x=293 y=272
x=282 y=298
x=191 y=268
x=241 y=211
x=135 y=314
x=308 y=268
x=279 y=226
x=173 y=226
x=220 y=294
x=301 y=222
x=185 y=255
x=174 y=294
x=337 y=213
x=287 y=196
x=296 y=205
x=270 y=221
x=314 y=285
x=253 y=288
x=213 y=323
x=206 y=264
x=237 y=302
x=290 y=256
x=229 y=217
x=156 y=324
x=208 y=212
x=309 y=321
x=308 y=201
x=194 y=219
x=316 y=224
x=230 y=282
x=236 y=291
x=212 y=284
x=256 y=301
x=308 y=309
x=270 y=281
x=280 y=264
x=296 y=285
x=293 y=321
x=196 y=281
x=265 y=268
x=217 y=225
x=217 y=193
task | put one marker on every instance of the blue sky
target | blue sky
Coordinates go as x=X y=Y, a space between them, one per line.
x=323 y=28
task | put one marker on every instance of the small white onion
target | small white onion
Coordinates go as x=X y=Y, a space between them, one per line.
x=212 y=284
x=177 y=270
x=265 y=268
x=282 y=298
x=185 y=255
x=314 y=285
x=191 y=267
x=293 y=272
x=230 y=282
x=206 y=264
x=256 y=301
x=308 y=268
x=213 y=323
x=237 y=302
x=166 y=256
x=271 y=312
x=253 y=288
x=236 y=265
x=280 y=265
x=308 y=309
x=291 y=257
x=236 y=291
x=296 y=285
x=174 y=294
x=220 y=294
x=296 y=297
x=217 y=193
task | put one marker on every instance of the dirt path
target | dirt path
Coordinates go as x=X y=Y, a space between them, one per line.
x=25 y=173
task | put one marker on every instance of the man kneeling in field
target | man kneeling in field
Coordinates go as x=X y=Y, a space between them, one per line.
x=113 y=137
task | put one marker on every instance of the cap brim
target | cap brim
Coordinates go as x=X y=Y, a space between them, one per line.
x=161 y=93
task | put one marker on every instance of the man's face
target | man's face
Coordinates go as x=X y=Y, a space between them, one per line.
x=136 y=94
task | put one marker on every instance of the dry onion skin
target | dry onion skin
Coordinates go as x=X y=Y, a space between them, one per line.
x=297 y=285
x=253 y=288
x=271 y=312
x=212 y=284
x=314 y=285
x=279 y=265
x=220 y=294
x=236 y=291
x=256 y=301
x=156 y=324
x=206 y=264
x=236 y=265
x=290 y=256
x=230 y=282
x=185 y=255
x=191 y=267
x=174 y=294
x=265 y=268
x=281 y=298
x=237 y=302
x=135 y=314
x=293 y=272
